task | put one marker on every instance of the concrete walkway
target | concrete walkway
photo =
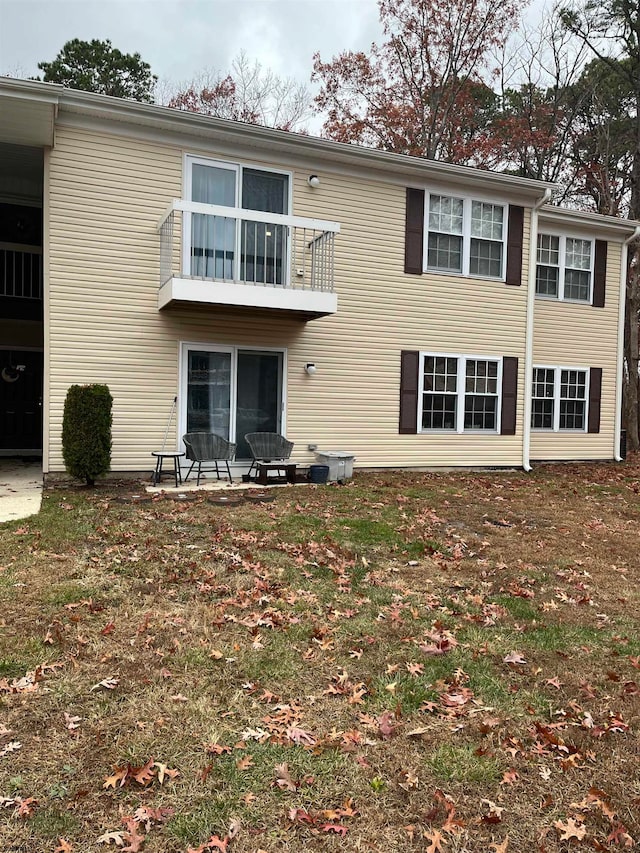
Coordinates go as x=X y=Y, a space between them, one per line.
x=20 y=489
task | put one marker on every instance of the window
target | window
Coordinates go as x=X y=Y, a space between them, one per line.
x=564 y=267
x=559 y=399
x=465 y=236
x=222 y=245
x=460 y=393
x=542 y=406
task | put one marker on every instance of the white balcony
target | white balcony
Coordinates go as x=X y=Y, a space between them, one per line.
x=216 y=255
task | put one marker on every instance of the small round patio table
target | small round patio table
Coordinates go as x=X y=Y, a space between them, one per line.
x=160 y=456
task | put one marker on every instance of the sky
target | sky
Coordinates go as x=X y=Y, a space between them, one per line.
x=180 y=38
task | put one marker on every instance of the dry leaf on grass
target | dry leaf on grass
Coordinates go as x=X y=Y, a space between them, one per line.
x=437 y=841
x=165 y=772
x=108 y=684
x=515 y=659
x=570 y=829
x=283 y=777
x=116 y=838
x=244 y=763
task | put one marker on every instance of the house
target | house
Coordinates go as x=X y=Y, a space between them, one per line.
x=453 y=316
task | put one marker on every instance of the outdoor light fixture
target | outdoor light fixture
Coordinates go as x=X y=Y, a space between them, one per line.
x=313 y=181
x=310 y=368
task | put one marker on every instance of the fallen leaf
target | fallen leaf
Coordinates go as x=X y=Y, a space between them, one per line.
x=117 y=780
x=570 y=829
x=283 y=778
x=26 y=807
x=143 y=775
x=72 y=723
x=509 y=777
x=337 y=828
x=244 y=763
x=108 y=683
x=514 y=658
x=386 y=727
x=436 y=840
x=116 y=838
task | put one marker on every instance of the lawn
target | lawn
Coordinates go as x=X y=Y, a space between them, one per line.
x=439 y=662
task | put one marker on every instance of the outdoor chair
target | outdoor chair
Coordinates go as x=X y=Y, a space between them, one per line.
x=268 y=448
x=207 y=448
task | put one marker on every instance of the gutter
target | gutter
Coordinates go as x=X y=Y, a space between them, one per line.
x=620 y=358
x=528 y=345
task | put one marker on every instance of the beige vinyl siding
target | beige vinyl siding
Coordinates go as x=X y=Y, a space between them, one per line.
x=107 y=194
x=568 y=334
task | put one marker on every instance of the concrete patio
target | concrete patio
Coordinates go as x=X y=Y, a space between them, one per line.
x=20 y=488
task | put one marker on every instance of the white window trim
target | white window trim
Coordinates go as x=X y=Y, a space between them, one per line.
x=460 y=393
x=190 y=160
x=466 y=234
x=563 y=237
x=183 y=373
x=557 y=376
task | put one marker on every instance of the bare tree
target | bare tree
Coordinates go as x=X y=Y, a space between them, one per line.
x=535 y=132
x=249 y=92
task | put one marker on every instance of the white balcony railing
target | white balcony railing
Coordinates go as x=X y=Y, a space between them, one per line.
x=206 y=242
x=20 y=271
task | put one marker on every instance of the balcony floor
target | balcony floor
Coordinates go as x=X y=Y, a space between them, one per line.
x=307 y=304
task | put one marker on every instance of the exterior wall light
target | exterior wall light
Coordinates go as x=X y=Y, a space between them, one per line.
x=310 y=368
x=313 y=181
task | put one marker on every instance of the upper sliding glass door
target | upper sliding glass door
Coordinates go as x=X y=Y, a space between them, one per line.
x=232 y=392
x=230 y=248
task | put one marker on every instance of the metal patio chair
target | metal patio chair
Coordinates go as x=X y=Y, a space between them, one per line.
x=268 y=448
x=207 y=448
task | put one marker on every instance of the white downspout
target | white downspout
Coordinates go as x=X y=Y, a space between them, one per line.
x=620 y=359
x=528 y=345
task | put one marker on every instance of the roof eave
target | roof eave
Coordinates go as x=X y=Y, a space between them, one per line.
x=164 y=118
x=564 y=216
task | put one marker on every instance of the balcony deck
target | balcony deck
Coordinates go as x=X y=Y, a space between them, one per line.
x=215 y=255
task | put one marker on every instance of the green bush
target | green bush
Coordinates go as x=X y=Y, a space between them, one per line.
x=86 y=431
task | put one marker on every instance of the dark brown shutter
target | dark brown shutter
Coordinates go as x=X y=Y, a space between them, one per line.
x=509 y=395
x=514 y=245
x=414 y=232
x=595 y=393
x=409 y=366
x=600 y=274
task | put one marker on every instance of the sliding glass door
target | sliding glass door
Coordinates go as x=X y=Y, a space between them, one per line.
x=223 y=245
x=232 y=391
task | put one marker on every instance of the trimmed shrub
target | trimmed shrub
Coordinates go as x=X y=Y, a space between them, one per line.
x=86 y=431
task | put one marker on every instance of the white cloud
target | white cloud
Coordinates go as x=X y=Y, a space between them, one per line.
x=180 y=38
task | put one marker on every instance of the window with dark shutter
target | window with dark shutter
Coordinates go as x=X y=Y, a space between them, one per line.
x=600 y=274
x=409 y=368
x=509 y=395
x=514 y=245
x=414 y=232
x=595 y=395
